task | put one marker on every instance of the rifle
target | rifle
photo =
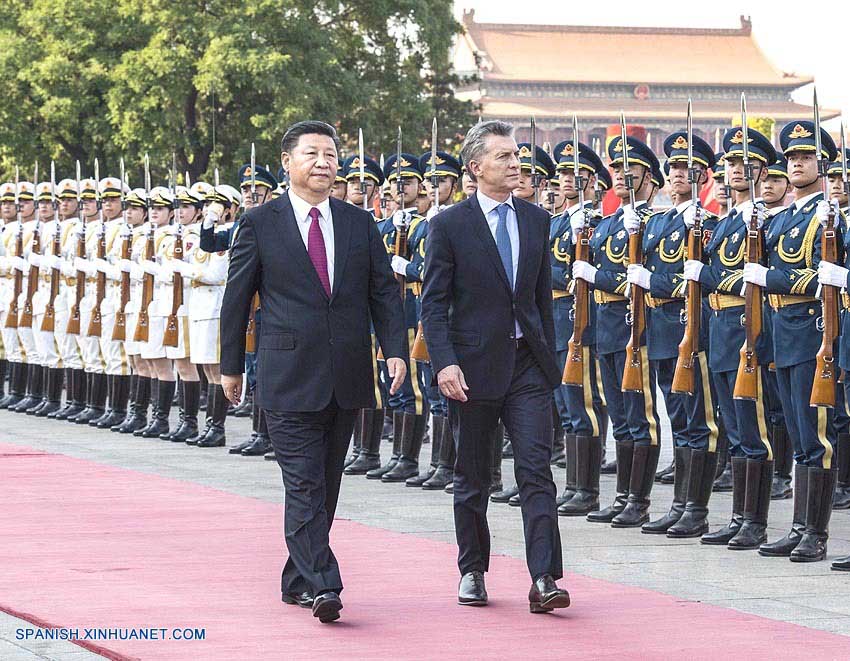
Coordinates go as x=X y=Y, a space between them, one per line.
x=12 y=315
x=746 y=382
x=48 y=324
x=574 y=367
x=823 y=385
x=96 y=321
x=362 y=172
x=535 y=181
x=73 y=327
x=400 y=248
x=633 y=369
x=251 y=329
x=143 y=321
x=171 y=336
x=119 y=330
x=686 y=363
x=32 y=284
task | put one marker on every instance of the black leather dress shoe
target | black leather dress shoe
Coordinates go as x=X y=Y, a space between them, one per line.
x=327 y=607
x=545 y=595
x=471 y=590
x=303 y=599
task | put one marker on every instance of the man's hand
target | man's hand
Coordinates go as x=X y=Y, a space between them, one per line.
x=232 y=387
x=397 y=369
x=452 y=383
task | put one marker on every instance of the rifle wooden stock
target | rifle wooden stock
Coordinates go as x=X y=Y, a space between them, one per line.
x=96 y=321
x=420 y=349
x=251 y=330
x=119 y=330
x=74 y=318
x=746 y=382
x=48 y=324
x=143 y=320
x=12 y=315
x=574 y=367
x=32 y=284
x=684 y=375
x=171 y=336
x=823 y=385
x=633 y=369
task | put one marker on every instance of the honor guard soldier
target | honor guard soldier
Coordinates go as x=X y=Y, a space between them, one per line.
x=634 y=419
x=410 y=412
x=11 y=264
x=340 y=187
x=719 y=188
x=581 y=420
x=793 y=247
x=373 y=178
x=8 y=215
x=467 y=186
x=777 y=186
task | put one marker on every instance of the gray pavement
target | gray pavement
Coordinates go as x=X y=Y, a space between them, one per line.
x=807 y=594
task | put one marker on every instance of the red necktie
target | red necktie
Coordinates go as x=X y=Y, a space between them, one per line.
x=316 y=250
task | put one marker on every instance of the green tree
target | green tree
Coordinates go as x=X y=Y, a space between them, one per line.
x=205 y=78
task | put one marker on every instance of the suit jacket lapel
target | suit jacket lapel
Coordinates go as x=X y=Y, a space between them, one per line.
x=342 y=237
x=294 y=244
x=482 y=229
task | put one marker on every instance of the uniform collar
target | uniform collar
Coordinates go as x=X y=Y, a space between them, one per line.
x=803 y=201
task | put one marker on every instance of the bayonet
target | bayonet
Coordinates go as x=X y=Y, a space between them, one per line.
x=362 y=155
x=844 y=177
x=435 y=179
x=253 y=175
x=398 y=182
x=535 y=183
x=693 y=174
x=745 y=134
x=35 y=193
x=630 y=184
x=577 y=178
x=53 y=188
x=823 y=164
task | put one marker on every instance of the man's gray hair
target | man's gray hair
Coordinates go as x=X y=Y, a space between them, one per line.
x=474 y=143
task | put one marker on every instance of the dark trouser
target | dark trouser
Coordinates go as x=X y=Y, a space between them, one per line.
x=526 y=412
x=580 y=407
x=691 y=416
x=746 y=422
x=809 y=427
x=633 y=414
x=310 y=448
x=436 y=401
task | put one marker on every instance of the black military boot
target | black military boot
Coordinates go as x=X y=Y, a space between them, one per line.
x=17 y=385
x=217 y=414
x=644 y=463
x=45 y=375
x=154 y=407
x=588 y=464
x=739 y=487
x=436 y=439
x=413 y=432
x=681 y=459
x=701 y=472
x=132 y=384
x=369 y=457
x=625 y=453
x=570 y=460
x=181 y=412
x=53 y=396
x=164 y=402
x=667 y=470
x=85 y=383
x=107 y=411
x=783 y=462
x=753 y=532
x=35 y=390
x=96 y=400
x=820 y=488
x=3 y=364
x=444 y=475
x=357 y=439
x=782 y=548
x=28 y=400
x=244 y=408
x=120 y=395
x=191 y=400
x=398 y=424
x=387 y=425
x=841 y=564
x=723 y=476
x=205 y=388
x=841 y=498
x=262 y=445
x=255 y=430
x=137 y=417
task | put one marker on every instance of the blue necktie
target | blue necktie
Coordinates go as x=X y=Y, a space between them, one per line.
x=503 y=242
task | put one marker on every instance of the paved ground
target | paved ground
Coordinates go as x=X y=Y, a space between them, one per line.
x=809 y=594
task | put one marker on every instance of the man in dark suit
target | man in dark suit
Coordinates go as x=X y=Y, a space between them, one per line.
x=487 y=313
x=322 y=273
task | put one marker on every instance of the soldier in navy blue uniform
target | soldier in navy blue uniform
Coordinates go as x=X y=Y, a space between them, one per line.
x=751 y=458
x=580 y=416
x=691 y=417
x=634 y=419
x=409 y=407
x=793 y=245
x=366 y=453
x=445 y=173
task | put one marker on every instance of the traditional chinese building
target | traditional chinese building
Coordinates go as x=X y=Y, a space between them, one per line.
x=551 y=72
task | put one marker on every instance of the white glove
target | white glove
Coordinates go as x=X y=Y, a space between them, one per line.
x=401 y=219
x=125 y=231
x=638 y=275
x=164 y=274
x=181 y=267
x=136 y=272
x=824 y=209
x=577 y=223
x=102 y=265
x=150 y=266
x=832 y=274
x=84 y=265
x=399 y=264
x=691 y=214
x=756 y=274
x=433 y=211
x=34 y=259
x=631 y=221
x=211 y=218
x=125 y=265
x=747 y=213
x=4 y=263
x=67 y=268
x=584 y=271
x=692 y=270
x=19 y=264
x=51 y=262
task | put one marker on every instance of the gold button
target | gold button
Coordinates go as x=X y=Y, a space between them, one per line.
x=811 y=311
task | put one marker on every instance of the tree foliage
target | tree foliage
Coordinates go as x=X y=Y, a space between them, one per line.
x=205 y=78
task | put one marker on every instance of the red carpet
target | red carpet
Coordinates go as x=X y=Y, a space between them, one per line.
x=87 y=545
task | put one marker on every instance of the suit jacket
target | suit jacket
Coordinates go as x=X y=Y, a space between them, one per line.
x=213 y=240
x=468 y=308
x=311 y=346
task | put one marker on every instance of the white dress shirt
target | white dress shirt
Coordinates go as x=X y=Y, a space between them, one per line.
x=488 y=207
x=301 y=209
